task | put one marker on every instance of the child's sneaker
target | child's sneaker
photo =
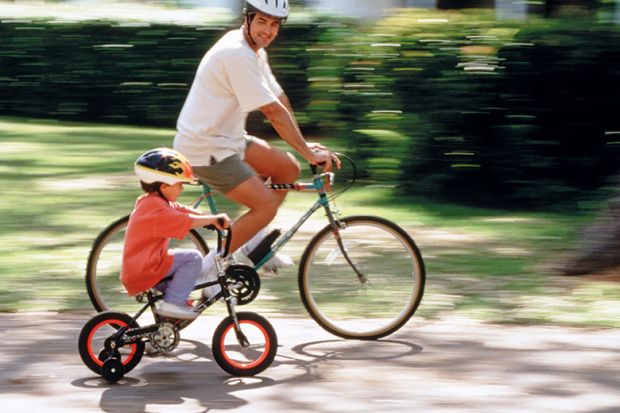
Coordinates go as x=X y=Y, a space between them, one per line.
x=166 y=309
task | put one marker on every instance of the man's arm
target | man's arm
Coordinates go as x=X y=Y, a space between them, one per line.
x=284 y=123
x=287 y=104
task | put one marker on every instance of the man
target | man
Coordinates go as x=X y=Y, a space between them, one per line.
x=233 y=79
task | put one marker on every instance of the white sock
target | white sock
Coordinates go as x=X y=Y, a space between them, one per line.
x=249 y=246
x=209 y=273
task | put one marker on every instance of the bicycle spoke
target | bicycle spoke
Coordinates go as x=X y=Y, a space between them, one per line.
x=348 y=306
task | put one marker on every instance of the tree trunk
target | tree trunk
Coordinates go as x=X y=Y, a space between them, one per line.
x=465 y=4
x=551 y=7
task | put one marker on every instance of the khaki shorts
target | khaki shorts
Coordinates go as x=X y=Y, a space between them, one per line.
x=225 y=175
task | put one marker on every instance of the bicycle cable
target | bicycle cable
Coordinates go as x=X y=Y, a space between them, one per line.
x=351 y=182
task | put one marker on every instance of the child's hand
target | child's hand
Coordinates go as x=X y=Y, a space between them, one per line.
x=221 y=221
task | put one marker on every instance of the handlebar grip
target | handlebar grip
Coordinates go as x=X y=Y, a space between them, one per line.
x=228 y=239
x=227 y=233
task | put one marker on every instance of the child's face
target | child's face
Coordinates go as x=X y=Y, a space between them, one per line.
x=172 y=192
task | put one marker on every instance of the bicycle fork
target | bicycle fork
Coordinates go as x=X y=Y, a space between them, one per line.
x=337 y=225
x=230 y=302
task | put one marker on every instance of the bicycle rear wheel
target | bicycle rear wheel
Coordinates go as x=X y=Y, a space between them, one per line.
x=104 y=267
x=93 y=337
x=348 y=307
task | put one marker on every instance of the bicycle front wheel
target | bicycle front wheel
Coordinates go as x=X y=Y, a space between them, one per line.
x=378 y=301
x=104 y=266
x=253 y=357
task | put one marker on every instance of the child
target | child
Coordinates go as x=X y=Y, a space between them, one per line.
x=157 y=218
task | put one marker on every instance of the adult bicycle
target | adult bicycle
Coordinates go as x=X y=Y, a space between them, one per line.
x=360 y=277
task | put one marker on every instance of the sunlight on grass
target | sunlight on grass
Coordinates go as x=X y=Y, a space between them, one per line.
x=91 y=182
x=64 y=182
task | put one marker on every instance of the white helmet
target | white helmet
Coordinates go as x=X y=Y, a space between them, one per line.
x=274 y=8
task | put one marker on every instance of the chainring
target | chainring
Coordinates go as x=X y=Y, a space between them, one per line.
x=166 y=338
x=243 y=283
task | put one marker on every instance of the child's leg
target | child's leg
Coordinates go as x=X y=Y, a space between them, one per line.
x=186 y=268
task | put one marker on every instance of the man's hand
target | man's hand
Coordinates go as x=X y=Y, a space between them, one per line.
x=323 y=157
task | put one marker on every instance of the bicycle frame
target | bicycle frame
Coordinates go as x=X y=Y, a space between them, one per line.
x=153 y=296
x=317 y=185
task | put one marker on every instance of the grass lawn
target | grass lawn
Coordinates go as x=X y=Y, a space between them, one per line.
x=62 y=183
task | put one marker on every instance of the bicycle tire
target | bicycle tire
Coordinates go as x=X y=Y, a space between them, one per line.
x=104 y=263
x=91 y=342
x=333 y=294
x=249 y=361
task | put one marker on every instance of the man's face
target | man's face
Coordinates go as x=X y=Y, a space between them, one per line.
x=264 y=29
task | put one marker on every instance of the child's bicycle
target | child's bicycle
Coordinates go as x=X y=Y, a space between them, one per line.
x=244 y=344
x=360 y=277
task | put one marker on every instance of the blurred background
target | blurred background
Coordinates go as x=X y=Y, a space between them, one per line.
x=474 y=123
x=499 y=103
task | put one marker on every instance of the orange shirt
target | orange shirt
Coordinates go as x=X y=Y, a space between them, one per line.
x=152 y=223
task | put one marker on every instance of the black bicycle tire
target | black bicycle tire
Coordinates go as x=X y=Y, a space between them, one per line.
x=218 y=335
x=83 y=340
x=394 y=326
x=99 y=243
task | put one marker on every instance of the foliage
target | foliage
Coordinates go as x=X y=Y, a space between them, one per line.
x=480 y=111
x=449 y=104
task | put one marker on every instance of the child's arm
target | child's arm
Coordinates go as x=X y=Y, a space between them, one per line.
x=220 y=221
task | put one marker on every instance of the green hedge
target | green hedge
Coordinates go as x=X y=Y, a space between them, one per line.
x=104 y=71
x=462 y=107
x=455 y=105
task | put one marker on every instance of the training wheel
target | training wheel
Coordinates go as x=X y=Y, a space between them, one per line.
x=112 y=370
x=104 y=355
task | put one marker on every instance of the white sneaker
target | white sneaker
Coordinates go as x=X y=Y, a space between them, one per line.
x=209 y=273
x=278 y=261
x=275 y=263
x=167 y=309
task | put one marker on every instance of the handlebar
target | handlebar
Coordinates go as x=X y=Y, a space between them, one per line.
x=314 y=168
x=225 y=235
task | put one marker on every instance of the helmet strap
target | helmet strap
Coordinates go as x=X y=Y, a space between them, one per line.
x=248 y=22
x=161 y=193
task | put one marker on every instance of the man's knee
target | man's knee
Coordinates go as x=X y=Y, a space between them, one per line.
x=293 y=169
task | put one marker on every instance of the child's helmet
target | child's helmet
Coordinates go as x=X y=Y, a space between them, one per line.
x=164 y=165
x=274 y=8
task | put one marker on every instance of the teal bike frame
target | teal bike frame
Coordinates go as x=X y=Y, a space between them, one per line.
x=317 y=184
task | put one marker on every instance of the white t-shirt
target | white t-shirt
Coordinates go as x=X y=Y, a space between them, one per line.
x=232 y=80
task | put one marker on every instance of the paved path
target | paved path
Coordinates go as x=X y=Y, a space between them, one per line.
x=440 y=366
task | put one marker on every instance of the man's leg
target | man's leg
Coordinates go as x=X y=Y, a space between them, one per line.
x=268 y=161
x=263 y=203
